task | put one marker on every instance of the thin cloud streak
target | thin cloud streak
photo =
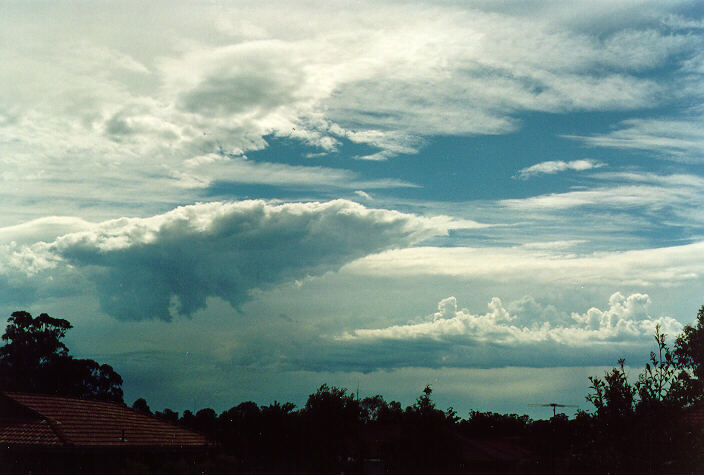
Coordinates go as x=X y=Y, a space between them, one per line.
x=667 y=266
x=556 y=166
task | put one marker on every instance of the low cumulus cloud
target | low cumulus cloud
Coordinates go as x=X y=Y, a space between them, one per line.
x=169 y=264
x=626 y=318
x=521 y=333
x=552 y=167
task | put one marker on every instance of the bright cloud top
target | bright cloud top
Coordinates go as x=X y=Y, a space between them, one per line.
x=552 y=167
x=169 y=264
x=625 y=319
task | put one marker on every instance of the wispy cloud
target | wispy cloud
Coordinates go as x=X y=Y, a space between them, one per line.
x=667 y=266
x=203 y=170
x=618 y=191
x=124 y=115
x=552 y=167
x=673 y=138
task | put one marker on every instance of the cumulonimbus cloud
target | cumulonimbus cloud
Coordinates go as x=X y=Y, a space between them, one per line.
x=170 y=263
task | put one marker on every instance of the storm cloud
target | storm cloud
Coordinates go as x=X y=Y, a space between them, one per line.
x=168 y=264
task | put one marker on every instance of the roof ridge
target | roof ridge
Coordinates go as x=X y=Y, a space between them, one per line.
x=11 y=394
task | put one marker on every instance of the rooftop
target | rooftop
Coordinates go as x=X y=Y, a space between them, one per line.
x=53 y=421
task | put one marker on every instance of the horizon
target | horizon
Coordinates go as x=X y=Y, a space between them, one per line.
x=236 y=202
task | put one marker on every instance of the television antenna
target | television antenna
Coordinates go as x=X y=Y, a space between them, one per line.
x=554 y=406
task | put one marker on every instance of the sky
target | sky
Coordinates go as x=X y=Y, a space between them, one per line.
x=237 y=201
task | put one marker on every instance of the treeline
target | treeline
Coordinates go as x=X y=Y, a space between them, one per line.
x=336 y=432
x=652 y=422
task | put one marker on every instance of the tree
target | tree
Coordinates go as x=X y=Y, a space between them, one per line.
x=641 y=426
x=428 y=441
x=35 y=359
x=140 y=405
x=376 y=409
x=689 y=355
x=332 y=417
x=613 y=396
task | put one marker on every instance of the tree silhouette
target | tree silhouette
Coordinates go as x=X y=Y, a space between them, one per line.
x=689 y=353
x=35 y=359
x=140 y=405
x=332 y=417
x=641 y=426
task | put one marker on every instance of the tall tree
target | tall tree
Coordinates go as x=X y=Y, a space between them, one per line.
x=689 y=353
x=35 y=359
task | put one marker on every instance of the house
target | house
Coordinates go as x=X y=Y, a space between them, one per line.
x=44 y=434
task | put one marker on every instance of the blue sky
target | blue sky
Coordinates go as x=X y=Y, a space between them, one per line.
x=234 y=201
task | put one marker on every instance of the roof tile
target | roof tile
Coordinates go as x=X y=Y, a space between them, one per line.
x=78 y=422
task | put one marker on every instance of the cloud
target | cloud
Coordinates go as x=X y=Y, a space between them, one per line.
x=552 y=167
x=673 y=138
x=453 y=337
x=169 y=264
x=618 y=191
x=624 y=319
x=203 y=170
x=42 y=229
x=83 y=111
x=666 y=266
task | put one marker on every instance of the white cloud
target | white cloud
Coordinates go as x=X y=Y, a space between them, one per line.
x=363 y=194
x=674 y=138
x=552 y=167
x=625 y=319
x=667 y=266
x=617 y=196
x=203 y=170
x=123 y=113
x=679 y=192
x=42 y=229
x=152 y=267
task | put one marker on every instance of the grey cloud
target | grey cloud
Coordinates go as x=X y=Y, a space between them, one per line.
x=531 y=334
x=243 y=92
x=456 y=338
x=169 y=264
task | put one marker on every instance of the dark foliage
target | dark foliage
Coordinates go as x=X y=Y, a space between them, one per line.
x=689 y=354
x=35 y=359
x=141 y=405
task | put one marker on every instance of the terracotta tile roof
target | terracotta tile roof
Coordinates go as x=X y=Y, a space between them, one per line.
x=28 y=434
x=75 y=422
